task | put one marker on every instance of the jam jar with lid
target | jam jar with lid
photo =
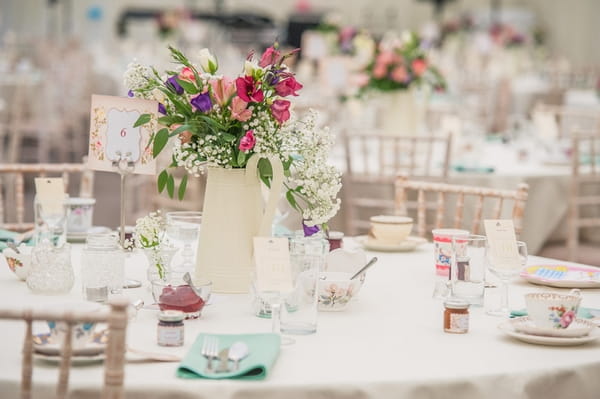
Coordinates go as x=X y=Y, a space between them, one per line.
x=456 y=316
x=170 y=328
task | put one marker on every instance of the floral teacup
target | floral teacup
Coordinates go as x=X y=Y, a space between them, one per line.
x=19 y=263
x=336 y=290
x=553 y=310
x=82 y=332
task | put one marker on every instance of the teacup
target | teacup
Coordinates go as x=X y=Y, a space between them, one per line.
x=82 y=332
x=19 y=263
x=553 y=310
x=81 y=212
x=388 y=229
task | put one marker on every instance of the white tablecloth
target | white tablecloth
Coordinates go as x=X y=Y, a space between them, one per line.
x=388 y=344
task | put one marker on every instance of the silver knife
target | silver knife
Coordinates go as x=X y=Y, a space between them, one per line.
x=224 y=361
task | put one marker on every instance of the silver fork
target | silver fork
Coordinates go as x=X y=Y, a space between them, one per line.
x=210 y=350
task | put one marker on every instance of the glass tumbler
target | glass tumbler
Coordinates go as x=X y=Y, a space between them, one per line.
x=51 y=270
x=102 y=267
x=300 y=307
x=467 y=274
x=51 y=221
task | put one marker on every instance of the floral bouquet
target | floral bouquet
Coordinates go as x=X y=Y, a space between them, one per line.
x=221 y=122
x=401 y=65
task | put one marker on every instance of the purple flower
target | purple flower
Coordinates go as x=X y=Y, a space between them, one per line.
x=310 y=230
x=174 y=85
x=201 y=102
x=130 y=93
x=162 y=109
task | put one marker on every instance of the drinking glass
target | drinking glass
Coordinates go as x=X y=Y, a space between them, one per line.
x=184 y=227
x=51 y=221
x=467 y=274
x=505 y=272
x=267 y=304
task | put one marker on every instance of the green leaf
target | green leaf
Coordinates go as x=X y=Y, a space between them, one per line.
x=290 y=197
x=162 y=180
x=169 y=120
x=182 y=187
x=180 y=129
x=142 y=120
x=188 y=86
x=160 y=140
x=171 y=186
x=228 y=137
x=241 y=158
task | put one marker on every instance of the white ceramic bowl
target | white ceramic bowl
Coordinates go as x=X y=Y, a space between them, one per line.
x=388 y=229
x=553 y=310
x=19 y=263
x=336 y=290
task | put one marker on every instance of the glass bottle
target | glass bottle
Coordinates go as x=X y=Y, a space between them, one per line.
x=102 y=267
x=51 y=270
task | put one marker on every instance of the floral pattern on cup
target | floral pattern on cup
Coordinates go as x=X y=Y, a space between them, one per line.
x=337 y=290
x=82 y=333
x=561 y=317
x=19 y=263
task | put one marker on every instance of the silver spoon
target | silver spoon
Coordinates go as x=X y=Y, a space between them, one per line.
x=188 y=279
x=365 y=267
x=237 y=351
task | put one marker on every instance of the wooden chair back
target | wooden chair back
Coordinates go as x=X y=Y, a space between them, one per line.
x=557 y=121
x=12 y=188
x=434 y=197
x=584 y=198
x=374 y=160
x=114 y=369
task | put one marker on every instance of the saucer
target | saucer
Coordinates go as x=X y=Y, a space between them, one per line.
x=43 y=345
x=563 y=276
x=409 y=244
x=509 y=329
x=81 y=236
x=76 y=360
x=578 y=328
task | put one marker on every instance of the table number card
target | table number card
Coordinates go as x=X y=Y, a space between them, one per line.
x=272 y=259
x=113 y=136
x=503 y=243
x=50 y=192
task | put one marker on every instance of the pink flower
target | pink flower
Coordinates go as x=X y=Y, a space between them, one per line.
x=281 y=110
x=239 y=109
x=288 y=87
x=223 y=90
x=269 y=57
x=248 y=89
x=567 y=318
x=380 y=70
x=399 y=74
x=187 y=74
x=419 y=66
x=248 y=141
x=385 y=58
x=360 y=79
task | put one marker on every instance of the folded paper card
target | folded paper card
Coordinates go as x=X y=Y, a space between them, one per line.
x=263 y=350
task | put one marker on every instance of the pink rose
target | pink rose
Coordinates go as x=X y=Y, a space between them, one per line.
x=187 y=74
x=223 y=90
x=269 y=57
x=379 y=71
x=239 y=110
x=248 y=141
x=288 y=87
x=399 y=74
x=419 y=66
x=281 y=110
x=567 y=318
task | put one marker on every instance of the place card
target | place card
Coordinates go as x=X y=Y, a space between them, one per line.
x=114 y=136
x=272 y=260
x=502 y=242
x=50 y=193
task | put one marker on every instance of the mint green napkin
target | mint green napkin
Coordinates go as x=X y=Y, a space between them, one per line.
x=472 y=169
x=6 y=235
x=263 y=351
x=583 y=313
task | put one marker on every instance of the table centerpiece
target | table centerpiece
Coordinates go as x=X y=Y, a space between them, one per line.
x=241 y=132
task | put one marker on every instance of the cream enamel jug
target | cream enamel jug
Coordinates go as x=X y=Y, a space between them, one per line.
x=233 y=214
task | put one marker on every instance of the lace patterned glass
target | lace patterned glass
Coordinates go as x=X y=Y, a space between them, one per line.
x=51 y=270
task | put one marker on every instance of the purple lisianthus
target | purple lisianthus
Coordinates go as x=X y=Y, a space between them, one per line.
x=309 y=230
x=174 y=85
x=201 y=102
x=130 y=93
x=162 y=109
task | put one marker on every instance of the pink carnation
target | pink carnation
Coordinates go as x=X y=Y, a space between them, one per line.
x=281 y=110
x=399 y=74
x=248 y=141
x=419 y=66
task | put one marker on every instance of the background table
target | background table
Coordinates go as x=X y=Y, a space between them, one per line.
x=389 y=343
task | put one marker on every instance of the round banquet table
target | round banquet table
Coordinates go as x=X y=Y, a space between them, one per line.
x=389 y=343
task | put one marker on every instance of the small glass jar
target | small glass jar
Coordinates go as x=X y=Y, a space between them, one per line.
x=102 y=267
x=170 y=328
x=51 y=270
x=335 y=239
x=456 y=316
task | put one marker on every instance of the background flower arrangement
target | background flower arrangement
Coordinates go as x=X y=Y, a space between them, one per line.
x=222 y=122
x=150 y=236
x=401 y=65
